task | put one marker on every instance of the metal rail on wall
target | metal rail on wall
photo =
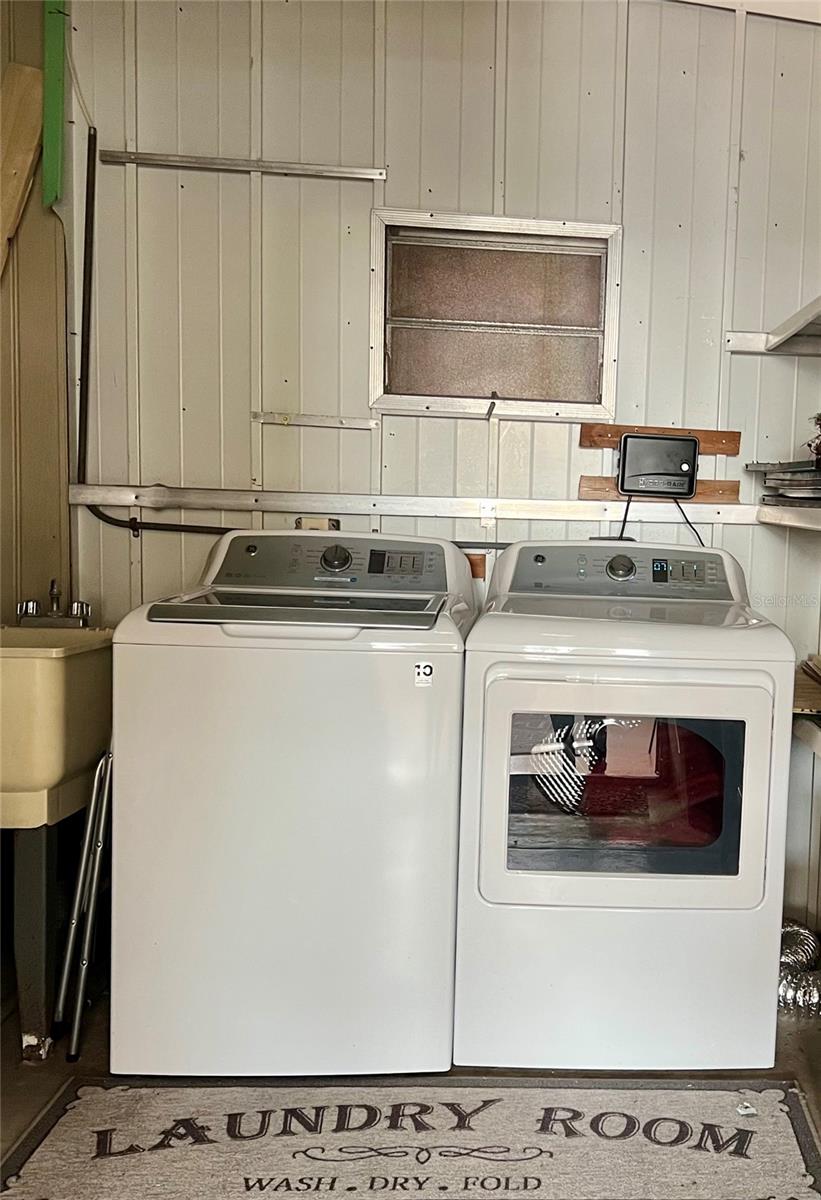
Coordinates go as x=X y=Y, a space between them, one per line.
x=475 y=508
x=244 y=166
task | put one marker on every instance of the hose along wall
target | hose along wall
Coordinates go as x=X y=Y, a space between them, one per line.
x=133 y=524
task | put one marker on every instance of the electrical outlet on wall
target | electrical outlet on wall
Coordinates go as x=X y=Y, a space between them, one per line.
x=331 y=523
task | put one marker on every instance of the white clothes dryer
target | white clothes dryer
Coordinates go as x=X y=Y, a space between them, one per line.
x=285 y=810
x=624 y=796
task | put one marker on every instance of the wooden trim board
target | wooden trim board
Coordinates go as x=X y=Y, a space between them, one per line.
x=600 y=436
x=21 y=123
x=708 y=491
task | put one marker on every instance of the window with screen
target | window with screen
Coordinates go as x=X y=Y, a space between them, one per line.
x=516 y=317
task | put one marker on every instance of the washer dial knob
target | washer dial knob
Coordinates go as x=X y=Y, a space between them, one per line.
x=621 y=566
x=335 y=558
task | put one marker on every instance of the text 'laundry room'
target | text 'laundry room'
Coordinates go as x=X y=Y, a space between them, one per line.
x=410 y=598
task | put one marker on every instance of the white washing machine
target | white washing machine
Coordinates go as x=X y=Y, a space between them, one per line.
x=285 y=811
x=624 y=797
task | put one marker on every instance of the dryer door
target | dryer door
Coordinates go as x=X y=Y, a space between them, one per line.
x=651 y=794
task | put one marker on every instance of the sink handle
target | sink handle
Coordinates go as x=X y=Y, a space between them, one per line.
x=28 y=608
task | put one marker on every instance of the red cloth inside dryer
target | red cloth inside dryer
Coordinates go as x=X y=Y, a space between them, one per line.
x=680 y=806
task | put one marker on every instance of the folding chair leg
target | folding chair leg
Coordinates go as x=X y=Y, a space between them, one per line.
x=91 y=911
x=79 y=898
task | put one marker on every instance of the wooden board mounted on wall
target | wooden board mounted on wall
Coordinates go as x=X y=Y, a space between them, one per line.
x=710 y=441
x=21 y=127
x=708 y=491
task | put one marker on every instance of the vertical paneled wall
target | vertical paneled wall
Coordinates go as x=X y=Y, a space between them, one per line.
x=777 y=268
x=34 y=529
x=217 y=296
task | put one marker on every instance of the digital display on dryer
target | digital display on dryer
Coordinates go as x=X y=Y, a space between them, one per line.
x=661 y=570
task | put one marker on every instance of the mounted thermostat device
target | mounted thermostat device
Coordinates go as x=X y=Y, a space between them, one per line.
x=652 y=464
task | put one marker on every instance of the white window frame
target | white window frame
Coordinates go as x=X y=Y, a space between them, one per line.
x=481 y=407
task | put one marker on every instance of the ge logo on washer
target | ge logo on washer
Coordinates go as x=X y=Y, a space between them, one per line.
x=423 y=674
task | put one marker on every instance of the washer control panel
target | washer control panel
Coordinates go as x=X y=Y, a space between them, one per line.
x=620 y=569
x=340 y=561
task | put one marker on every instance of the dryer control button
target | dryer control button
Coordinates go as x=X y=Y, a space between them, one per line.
x=621 y=566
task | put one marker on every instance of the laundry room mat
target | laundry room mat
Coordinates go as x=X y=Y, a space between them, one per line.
x=583 y=1139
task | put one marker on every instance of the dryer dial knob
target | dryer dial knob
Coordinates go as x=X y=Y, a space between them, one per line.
x=621 y=566
x=335 y=558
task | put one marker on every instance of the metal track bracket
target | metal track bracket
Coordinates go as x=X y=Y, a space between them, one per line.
x=247 y=166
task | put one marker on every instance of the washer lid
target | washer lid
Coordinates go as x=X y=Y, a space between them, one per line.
x=221 y=606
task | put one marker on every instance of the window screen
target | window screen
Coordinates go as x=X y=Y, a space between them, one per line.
x=494 y=318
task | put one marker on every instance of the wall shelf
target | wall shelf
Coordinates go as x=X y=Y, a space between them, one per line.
x=807 y=708
x=799 y=334
x=789 y=516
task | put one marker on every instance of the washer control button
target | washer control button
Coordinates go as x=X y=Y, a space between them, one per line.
x=335 y=558
x=538 y=558
x=621 y=566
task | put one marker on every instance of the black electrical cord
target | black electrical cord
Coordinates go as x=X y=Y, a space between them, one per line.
x=689 y=522
x=624 y=519
x=85 y=312
x=135 y=526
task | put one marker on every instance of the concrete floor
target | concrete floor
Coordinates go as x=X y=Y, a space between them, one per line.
x=27 y=1088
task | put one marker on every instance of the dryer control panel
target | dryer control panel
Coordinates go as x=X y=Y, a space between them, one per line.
x=620 y=569
x=334 y=562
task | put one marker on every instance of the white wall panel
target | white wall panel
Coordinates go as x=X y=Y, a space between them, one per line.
x=699 y=129
x=104 y=557
x=565 y=73
x=677 y=138
x=777 y=269
x=476 y=99
x=439 y=112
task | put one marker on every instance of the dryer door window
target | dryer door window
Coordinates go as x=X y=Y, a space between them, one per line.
x=648 y=792
x=624 y=793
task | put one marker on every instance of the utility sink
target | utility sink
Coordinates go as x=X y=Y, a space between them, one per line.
x=55 y=720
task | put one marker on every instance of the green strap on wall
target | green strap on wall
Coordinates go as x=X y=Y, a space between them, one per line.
x=54 y=45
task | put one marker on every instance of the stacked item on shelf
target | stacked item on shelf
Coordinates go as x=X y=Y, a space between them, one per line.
x=812 y=666
x=807 y=703
x=797 y=484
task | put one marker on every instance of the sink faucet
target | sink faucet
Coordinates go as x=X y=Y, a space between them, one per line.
x=77 y=617
x=54 y=594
